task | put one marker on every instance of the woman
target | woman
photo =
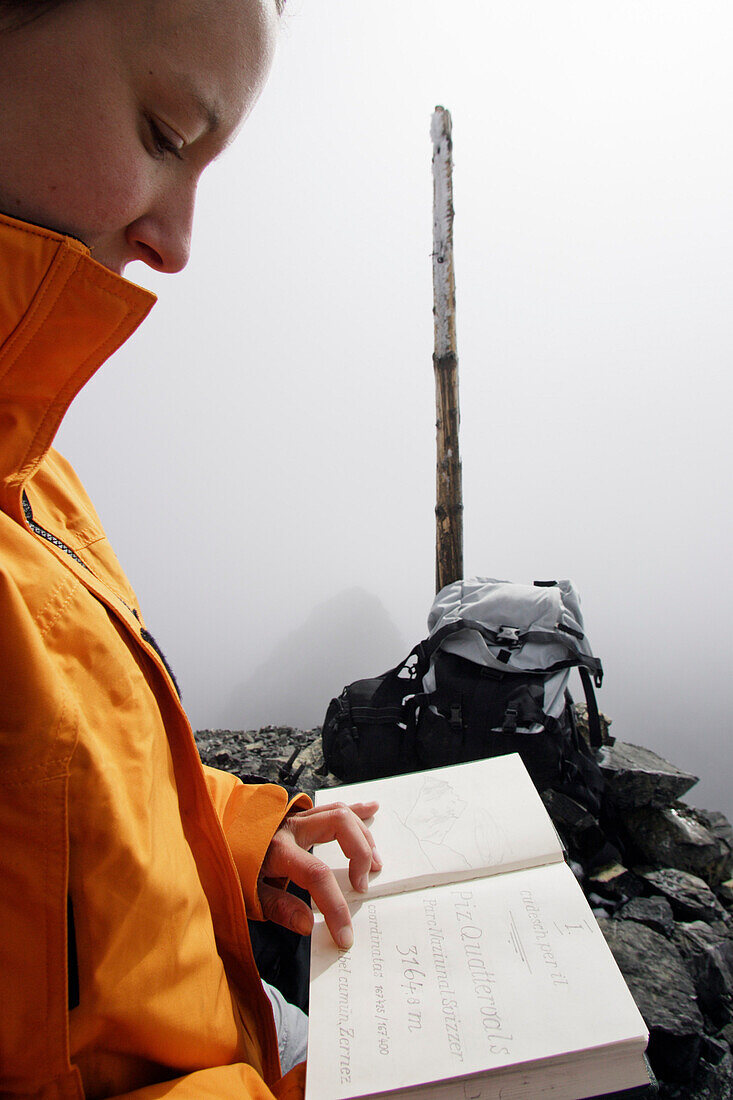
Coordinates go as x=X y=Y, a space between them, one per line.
x=128 y=871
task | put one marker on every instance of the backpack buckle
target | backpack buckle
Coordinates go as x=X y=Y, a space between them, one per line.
x=511 y=718
x=508 y=636
x=455 y=720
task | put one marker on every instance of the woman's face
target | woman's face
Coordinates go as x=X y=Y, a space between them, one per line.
x=111 y=109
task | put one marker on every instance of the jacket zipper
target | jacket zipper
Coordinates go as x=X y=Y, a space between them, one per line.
x=44 y=534
x=144 y=634
x=71 y=955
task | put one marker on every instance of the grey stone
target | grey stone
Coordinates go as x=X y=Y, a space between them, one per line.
x=713 y=1049
x=579 y=830
x=261 y=753
x=691 y=898
x=675 y=837
x=709 y=959
x=725 y=892
x=726 y=1033
x=565 y=811
x=655 y=912
x=636 y=776
x=716 y=822
x=614 y=882
x=581 y=714
x=664 y=993
x=310 y=769
x=712 y=1082
x=600 y=907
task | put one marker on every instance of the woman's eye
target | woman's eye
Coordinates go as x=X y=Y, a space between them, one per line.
x=163 y=139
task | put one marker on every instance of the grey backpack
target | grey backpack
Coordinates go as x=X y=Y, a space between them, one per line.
x=491 y=678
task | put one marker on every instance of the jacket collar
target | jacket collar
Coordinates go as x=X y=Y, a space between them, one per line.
x=61 y=315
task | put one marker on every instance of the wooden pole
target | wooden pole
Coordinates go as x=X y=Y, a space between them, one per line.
x=449 y=495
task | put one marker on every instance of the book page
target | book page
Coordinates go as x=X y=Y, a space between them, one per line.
x=466 y=979
x=448 y=824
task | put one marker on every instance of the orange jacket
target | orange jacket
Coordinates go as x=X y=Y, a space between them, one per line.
x=103 y=798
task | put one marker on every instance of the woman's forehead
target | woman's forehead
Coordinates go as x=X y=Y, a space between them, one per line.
x=216 y=53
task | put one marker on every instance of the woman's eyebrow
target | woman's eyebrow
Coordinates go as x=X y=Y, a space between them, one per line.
x=206 y=108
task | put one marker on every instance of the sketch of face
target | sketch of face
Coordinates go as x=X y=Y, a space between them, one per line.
x=435 y=812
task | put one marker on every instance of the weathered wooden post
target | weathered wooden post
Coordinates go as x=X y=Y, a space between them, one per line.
x=449 y=496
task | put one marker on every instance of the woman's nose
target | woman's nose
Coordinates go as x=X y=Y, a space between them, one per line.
x=161 y=237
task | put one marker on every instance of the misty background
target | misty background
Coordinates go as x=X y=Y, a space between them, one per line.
x=262 y=451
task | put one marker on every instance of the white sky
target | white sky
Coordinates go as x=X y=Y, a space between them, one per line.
x=266 y=440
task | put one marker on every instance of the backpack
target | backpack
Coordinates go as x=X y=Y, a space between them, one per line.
x=491 y=678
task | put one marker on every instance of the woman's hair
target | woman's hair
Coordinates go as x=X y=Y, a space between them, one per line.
x=15 y=13
x=18 y=12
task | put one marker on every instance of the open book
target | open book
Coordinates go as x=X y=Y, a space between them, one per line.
x=478 y=970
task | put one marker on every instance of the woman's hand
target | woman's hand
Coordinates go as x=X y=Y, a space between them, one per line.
x=288 y=858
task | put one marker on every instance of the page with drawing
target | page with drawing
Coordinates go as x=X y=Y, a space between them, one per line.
x=470 y=978
x=449 y=824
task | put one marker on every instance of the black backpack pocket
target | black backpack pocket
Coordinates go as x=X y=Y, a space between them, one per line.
x=368 y=731
x=476 y=712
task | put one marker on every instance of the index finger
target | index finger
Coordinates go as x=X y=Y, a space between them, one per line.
x=320 y=882
x=338 y=822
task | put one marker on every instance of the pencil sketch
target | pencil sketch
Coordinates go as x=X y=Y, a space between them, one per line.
x=450 y=831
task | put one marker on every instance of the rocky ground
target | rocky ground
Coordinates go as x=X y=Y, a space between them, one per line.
x=662 y=892
x=265 y=752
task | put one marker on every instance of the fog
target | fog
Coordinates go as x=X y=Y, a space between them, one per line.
x=264 y=445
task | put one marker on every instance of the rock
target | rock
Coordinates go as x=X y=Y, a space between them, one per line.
x=614 y=882
x=712 y=1082
x=580 y=832
x=581 y=715
x=709 y=958
x=716 y=822
x=726 y=1034
x=565 y=811
x=655 y=913
x=674 y=837
x=714 y=1050
x=691 y=898
x=309 y=769
x=636 y=776
x=664 y=993
x=260 y=753
x=600 y=907
x=713 y=1079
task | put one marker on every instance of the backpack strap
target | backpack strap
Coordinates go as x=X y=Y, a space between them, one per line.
x=581 y=661
x=594 y=722
x=425 y=649
x=377 y=715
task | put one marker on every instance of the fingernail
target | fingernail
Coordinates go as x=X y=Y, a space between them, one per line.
x=345 y=938
x=376 y=857
x=363 y=884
